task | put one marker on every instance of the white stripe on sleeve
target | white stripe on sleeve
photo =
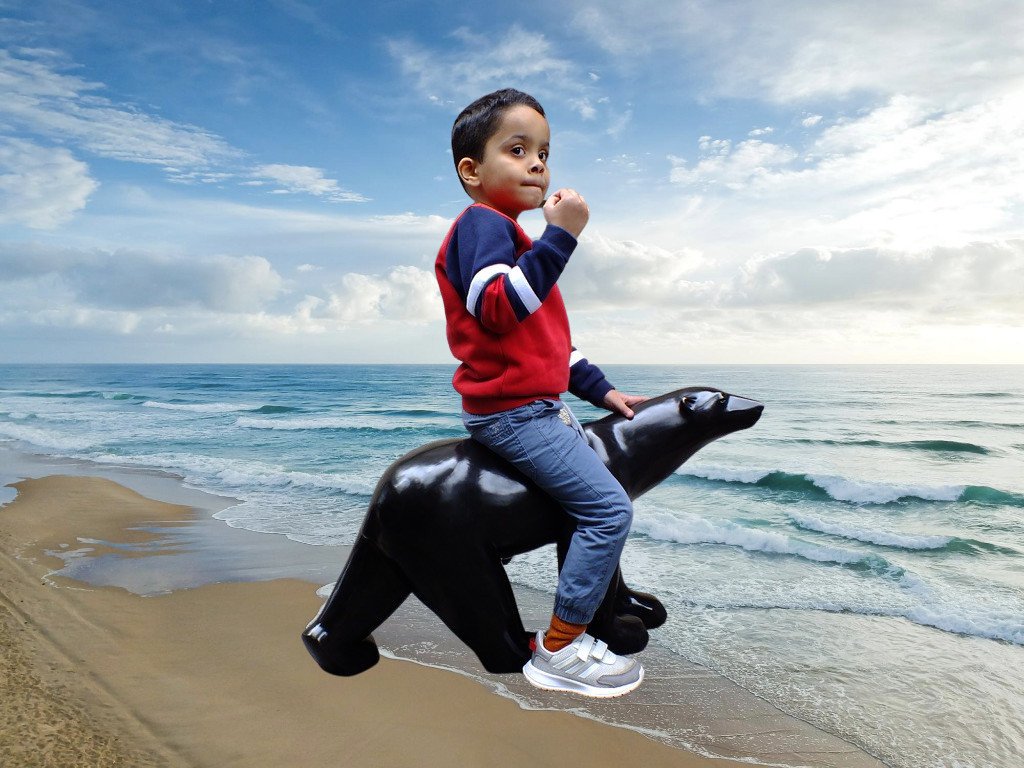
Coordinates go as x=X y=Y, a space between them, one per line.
x=480 y=281
x=574 y=357
x=524 y=290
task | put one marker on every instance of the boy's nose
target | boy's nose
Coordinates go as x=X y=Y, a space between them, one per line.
x=537 y=166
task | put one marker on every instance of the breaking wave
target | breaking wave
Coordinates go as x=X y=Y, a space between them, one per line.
x=837 y=488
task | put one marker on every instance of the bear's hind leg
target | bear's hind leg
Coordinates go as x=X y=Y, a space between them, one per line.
x=471 y=594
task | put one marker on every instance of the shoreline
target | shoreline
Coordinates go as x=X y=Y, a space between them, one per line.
x=285 y=594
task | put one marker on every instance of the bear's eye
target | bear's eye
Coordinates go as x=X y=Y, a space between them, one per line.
x=702 y=399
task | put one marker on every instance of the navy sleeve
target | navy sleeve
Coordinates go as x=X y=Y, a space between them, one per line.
x=540 y=268
x=586 y=380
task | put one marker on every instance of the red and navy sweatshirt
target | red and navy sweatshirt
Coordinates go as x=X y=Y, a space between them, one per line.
x=506 y=321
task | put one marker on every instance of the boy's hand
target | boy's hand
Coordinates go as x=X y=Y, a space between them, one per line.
x=567 y=209
x=620 y=403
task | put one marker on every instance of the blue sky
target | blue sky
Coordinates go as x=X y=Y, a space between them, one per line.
x=269 y=181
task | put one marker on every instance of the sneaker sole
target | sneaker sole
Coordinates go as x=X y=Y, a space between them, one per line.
x=549 y=682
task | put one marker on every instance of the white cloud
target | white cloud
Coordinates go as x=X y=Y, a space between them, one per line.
x=937 y=48
x=137 y=281
x=732 y=167
x=584 y=107
x=476 y=64
x=975 y=284
x=901 y=175
x=618 y=123
x=600 y=24
x=41 y=187
x=979 y=279
x=214 y=297
x=42 y=98
x=606 y=272
x=917 y=111
x=330 y=237
x=38 y=97
x=73 y=317
x=942 y=305
x=305 y=179
x=833 y=334
x=405 y=294
x=218 y=283
x=799 y=49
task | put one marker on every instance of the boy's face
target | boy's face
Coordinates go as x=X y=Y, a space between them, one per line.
x=513 y=175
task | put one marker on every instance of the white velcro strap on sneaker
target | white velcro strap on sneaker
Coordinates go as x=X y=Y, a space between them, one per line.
x=600 y=649
x=583 y=651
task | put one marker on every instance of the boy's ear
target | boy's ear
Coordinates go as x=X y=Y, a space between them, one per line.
x=468 y=172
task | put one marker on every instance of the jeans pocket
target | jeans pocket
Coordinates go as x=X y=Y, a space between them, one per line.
x=488 y=430
x=496 y=431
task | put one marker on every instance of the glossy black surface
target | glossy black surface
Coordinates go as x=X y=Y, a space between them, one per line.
x=443 y=518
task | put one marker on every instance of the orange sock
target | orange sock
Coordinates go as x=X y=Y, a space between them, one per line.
x=561 y=633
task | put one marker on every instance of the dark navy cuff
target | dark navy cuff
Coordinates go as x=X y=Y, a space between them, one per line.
x=598 y=391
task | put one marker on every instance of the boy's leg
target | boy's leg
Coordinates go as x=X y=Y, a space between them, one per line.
x=555 y=455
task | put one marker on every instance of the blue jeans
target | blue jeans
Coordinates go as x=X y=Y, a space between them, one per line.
x=545 y=442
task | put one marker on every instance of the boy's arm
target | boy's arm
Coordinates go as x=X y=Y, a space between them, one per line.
x=587 y=382
x=499 y=289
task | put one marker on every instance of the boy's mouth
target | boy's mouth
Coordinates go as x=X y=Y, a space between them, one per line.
x=542 y=191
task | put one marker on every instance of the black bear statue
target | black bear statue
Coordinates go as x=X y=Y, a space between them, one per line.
x=445 y=518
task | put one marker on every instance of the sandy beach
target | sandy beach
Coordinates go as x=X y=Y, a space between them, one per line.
x=216 y=676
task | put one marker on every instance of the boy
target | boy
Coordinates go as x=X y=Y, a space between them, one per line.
x=507 y=325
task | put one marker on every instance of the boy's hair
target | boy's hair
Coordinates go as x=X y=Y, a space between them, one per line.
x=477 y=122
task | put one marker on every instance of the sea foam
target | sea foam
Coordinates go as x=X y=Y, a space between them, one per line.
x=870 y=535
x=49 y=439
x=693 y=529
x=240 y=475
x=838 y=488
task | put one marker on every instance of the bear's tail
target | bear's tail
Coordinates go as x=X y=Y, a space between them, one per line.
x=368 y=591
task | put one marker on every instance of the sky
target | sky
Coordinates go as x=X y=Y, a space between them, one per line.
x=269 y=181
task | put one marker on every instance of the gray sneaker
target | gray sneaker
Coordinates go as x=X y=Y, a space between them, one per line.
x=585 y=666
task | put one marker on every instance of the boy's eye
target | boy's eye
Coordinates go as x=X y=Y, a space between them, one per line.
x=518 y=151
x=543 y=155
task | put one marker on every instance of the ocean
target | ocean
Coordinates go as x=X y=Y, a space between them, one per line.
x=855 y=560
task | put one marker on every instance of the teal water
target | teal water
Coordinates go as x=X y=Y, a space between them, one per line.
x=856 y=559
